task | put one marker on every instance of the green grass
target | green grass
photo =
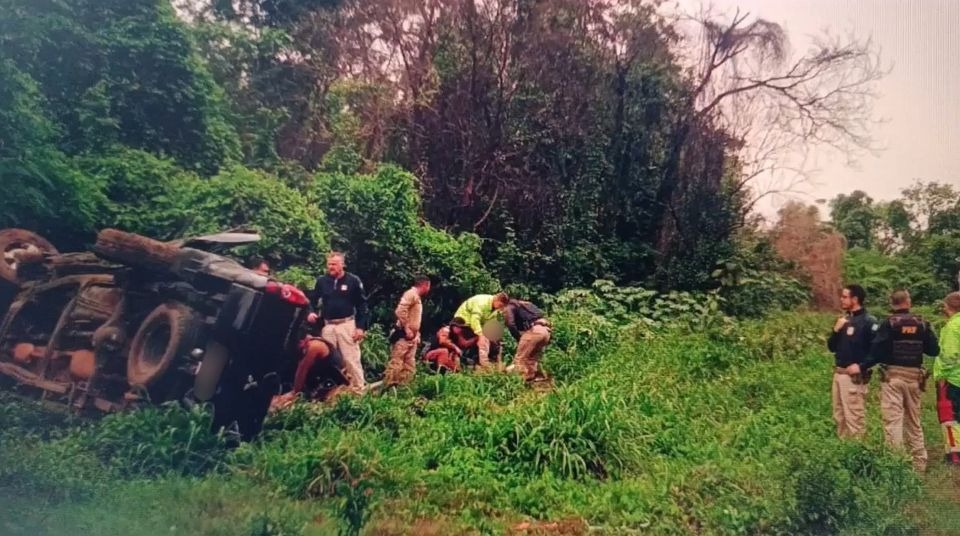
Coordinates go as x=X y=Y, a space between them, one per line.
x=661 y=432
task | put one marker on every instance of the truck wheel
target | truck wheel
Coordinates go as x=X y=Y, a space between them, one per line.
x=14 y=241
x=167 y=332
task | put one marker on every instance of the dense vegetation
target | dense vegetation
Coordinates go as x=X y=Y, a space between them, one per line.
x=911 y=242
x=678 y=423
x=573 y=152
x=550 y=143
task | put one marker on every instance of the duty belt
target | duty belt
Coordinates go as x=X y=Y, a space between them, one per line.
x=338 y=320
x=542 y=322
x=862 y=378
x=918 y=374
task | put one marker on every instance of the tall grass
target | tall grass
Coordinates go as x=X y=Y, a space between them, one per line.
x=722 y=430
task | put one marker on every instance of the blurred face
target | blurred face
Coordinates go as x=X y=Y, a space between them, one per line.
x=335 y=266
x=847 y=301
x=423 y=288
x=263 y=269
x=499 y=304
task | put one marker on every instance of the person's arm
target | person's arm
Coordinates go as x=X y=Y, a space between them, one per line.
x=880 y=347
x=443 y=339
x=832 y=341
x=315 y=294
x=510 y=320
x=303 y=369
x=931 y=346
x=949 y=352
x=475 y=319
x=871 y=327
x=360 y=305
x=402 y=312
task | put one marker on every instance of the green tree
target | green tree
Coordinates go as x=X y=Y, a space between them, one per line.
x=925 y=200
x=855 y=216
x=375 y=219
x=42 y=189
x=120 y=71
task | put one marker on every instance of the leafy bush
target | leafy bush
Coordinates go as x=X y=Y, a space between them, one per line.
x=754 y=294
x=828 y=486
x=42 y=189
x=393 y=244
x=144 y=194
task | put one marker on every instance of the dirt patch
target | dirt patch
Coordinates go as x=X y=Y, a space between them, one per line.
x=572 y=526
x=419 y=527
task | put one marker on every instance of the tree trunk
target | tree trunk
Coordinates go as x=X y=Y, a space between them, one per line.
x=135 y=250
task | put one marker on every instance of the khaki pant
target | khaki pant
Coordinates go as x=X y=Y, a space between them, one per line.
x=402 y=365
x=341 y=336
x=530 y=350
x=900 y=407
x=848 y=406
x=483 y=353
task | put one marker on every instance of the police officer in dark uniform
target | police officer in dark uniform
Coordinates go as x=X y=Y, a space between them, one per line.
x=850 y=342
x=899 y=347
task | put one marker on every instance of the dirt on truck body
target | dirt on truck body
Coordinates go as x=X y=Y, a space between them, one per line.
x=142 y=321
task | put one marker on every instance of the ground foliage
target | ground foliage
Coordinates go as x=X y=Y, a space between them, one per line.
x=713 y=427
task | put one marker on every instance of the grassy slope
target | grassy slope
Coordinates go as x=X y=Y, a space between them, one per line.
x=721 y=434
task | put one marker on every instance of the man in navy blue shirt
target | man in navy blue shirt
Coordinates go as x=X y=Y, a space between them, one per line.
x=343 y=308
x=850 y=343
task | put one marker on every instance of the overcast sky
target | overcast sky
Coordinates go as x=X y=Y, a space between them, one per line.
x=919 y=99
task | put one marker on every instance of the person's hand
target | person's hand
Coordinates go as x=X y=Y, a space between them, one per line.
x=853 y=369
x=312 y=318
x=409 y=333
x=358 y=335
x=840 y=323
x=283 y=401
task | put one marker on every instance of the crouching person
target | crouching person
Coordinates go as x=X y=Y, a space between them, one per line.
x=320 y=372
x=478 y=312
x=405 y=337
x=452 y=340
x=532 y=330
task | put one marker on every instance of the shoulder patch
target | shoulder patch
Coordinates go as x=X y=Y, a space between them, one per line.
x=875 y=327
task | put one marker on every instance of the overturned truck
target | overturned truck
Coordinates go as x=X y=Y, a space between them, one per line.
x=141 y=321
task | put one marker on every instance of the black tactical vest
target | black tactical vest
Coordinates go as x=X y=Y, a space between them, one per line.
x=907 y=333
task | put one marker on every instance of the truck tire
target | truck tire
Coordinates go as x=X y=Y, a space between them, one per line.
x=169 y=331
x=13 y=241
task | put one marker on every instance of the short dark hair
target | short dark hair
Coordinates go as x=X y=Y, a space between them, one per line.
x=857 y=292
x=420 y=279
x=255 y=262
x=900 y=297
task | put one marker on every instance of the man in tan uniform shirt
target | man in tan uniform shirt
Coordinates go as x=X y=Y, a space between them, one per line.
x=406 y=335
